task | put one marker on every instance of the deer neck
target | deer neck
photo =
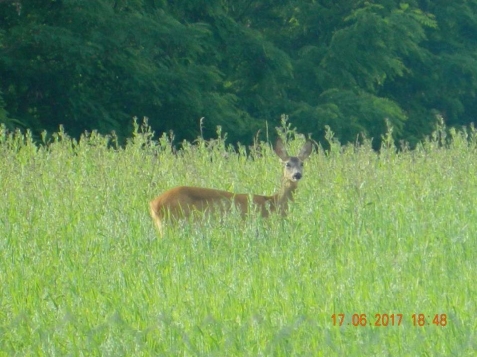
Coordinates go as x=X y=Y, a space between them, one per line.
x=284 y=195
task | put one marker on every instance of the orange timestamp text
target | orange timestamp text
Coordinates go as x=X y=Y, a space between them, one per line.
x=385 y=320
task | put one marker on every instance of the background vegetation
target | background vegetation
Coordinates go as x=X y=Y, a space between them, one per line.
x=347 y=64
x=84 y=272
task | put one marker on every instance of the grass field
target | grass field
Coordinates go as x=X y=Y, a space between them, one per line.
x=391 y=236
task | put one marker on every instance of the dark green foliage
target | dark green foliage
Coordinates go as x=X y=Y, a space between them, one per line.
x=97 y=64
x=346 y=61
x=351 y=65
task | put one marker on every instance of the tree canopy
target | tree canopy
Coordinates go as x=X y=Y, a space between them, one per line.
x=351 y=65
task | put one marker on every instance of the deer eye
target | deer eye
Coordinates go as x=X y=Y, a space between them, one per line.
x=288 y=165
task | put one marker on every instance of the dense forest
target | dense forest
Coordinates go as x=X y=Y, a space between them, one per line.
x=355 y=66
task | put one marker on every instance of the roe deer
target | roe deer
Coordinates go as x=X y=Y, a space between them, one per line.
x=180 y=202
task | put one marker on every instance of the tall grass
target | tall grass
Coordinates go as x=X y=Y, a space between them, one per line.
x=83 y=272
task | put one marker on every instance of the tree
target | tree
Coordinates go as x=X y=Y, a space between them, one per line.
x=95 y=65
x=352 y=65
x=443 y=76
x=349 y=52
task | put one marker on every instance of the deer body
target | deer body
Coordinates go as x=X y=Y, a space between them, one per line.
x=182 y=201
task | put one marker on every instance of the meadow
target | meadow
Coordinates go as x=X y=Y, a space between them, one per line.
x=377 y=256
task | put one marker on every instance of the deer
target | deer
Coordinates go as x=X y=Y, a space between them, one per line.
x=182 y=201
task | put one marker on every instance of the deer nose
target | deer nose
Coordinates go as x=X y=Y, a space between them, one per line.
x=297 y=176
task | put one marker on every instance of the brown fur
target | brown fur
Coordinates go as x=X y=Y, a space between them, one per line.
x=180 y=202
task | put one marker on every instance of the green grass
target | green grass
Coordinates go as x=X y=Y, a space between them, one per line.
x=83 y=272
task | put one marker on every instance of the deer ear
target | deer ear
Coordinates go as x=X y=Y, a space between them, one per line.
x=280 y=150
x=305 y=150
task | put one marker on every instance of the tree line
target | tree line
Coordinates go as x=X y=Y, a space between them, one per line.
x=351 y=65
